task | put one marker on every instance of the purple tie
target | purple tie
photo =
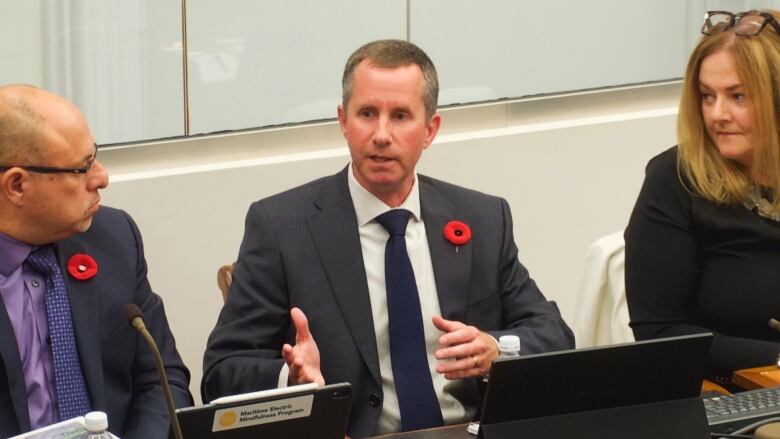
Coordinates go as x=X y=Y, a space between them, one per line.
x=72 y=396
x=413 y=385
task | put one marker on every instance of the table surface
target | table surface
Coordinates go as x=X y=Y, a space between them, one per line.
x=457 y=431
x=757 y=377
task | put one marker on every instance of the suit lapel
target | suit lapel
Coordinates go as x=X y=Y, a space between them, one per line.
x=9 y=352
x=451 y=264
x=334 y=231
x=85 y=311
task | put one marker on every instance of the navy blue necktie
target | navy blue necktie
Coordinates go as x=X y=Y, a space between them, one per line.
x=413 y=385
x=72 y=395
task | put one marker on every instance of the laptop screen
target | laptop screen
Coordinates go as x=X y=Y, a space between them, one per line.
x=299 y=411
x=604 y=377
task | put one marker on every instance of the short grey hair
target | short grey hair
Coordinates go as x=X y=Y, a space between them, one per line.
x=390 y=54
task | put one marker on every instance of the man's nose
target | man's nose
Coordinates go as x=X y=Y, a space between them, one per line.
x=98 y=175
x=382 y=132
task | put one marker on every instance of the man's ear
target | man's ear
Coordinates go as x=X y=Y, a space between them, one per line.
x=13 y=185
x=342 y=119
x=432 y=129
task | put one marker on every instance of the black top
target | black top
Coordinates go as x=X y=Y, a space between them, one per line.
x=694 y=266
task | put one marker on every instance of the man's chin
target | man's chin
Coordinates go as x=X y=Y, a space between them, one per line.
x=84 y=225
x=93 y=209
x=379 y=178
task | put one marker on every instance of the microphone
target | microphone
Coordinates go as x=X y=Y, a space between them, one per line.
x=135 y=317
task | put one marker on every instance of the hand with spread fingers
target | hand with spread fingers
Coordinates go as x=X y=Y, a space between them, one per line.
x=468 y=351
x=303 y=359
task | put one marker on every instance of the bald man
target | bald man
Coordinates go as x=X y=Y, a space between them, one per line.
x=67 y=267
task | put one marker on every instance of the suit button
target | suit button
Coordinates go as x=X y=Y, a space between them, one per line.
x=374 y=400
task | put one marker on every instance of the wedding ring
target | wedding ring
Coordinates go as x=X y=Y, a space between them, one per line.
x=476 y=362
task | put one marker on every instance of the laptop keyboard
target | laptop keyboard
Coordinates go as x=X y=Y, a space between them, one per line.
x=743 y=406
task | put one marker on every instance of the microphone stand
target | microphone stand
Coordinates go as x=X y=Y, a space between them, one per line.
x=137 y=322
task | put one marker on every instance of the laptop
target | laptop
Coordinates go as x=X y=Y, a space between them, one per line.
x=305 y=411
x=642 y=390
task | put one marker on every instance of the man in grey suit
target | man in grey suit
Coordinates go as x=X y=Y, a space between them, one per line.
x=327 y=287
x=67 y=267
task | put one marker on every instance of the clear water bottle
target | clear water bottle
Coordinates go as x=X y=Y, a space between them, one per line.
x=96 y=424
x=509 y=345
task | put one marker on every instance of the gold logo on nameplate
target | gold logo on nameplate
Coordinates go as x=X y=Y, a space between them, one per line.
x=262 y=413
x=227 y=419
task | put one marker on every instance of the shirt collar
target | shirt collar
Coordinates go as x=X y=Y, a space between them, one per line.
x=368 y=206
x=12 y=254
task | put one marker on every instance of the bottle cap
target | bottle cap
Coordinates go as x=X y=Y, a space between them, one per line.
x=96 y=422
x=509 y=343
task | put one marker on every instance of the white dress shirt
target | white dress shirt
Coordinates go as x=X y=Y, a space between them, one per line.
x=373 y=238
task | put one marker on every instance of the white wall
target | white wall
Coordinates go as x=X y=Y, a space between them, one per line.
x=20 y=42
x=260 y=63
x=570 y=168
x=512 y=48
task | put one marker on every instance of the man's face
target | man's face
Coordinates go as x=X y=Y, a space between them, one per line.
x=386 y=128
x=61 y=205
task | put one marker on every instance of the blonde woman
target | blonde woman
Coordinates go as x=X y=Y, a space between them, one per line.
x=703 y=242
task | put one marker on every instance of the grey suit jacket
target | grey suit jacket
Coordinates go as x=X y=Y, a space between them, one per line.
x=301 y=248
x=118 y=366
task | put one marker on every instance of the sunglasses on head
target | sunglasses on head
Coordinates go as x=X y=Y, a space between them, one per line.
x=746 y=24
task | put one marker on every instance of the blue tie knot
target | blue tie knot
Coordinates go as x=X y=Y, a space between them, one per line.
x=394 y=221
x=43 y=260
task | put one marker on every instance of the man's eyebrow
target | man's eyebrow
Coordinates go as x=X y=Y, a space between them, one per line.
x=92 y=154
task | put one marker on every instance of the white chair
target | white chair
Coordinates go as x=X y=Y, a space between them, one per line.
x=601 y=316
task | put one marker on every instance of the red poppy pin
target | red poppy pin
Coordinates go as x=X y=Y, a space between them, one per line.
x=82 y=266
x=457 y=232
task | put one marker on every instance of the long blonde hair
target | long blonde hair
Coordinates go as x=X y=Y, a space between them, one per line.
x=712 y=176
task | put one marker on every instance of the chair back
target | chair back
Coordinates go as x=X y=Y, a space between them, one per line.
x=224 y=279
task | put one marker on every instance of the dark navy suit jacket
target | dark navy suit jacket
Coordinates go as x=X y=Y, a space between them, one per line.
x=118 y=366
x=302 y=248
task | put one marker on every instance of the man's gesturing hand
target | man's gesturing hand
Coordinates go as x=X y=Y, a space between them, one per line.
x=303 y=359
x=471 y=349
